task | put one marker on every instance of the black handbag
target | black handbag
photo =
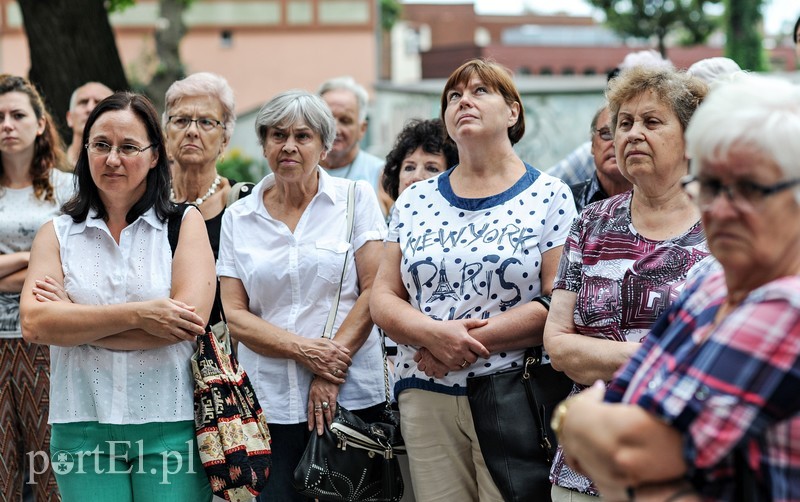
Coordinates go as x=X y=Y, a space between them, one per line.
x=511 y=410
x=353 y=461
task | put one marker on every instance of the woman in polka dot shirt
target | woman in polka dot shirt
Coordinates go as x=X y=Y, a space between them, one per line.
x=468 y=251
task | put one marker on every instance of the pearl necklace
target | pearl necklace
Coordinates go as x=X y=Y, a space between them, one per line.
x=211 y=191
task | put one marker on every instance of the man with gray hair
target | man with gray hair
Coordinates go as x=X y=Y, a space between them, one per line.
x=348 y=103
x=81 y=104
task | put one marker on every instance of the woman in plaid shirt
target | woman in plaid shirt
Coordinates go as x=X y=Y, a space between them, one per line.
x=710 y=404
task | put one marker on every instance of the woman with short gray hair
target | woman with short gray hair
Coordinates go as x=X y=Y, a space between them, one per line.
x=280 y=265
x=198 y=121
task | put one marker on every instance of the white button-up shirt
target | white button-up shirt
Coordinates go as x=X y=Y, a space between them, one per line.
x=118 y=387
x=291 y=280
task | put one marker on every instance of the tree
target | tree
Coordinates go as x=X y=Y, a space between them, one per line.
x=648 y=18
x=168 y=39
x=390 y=13
x=70 y=42
x=743 y=43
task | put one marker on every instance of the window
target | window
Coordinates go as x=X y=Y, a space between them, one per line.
x=226 y=39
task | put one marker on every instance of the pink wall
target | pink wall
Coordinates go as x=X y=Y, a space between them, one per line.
x=258 y=65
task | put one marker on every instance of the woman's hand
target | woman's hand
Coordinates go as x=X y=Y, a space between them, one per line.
x=325 y=358
x=321 y=404
x=49 y=290
x=453 y=346
x=428 y=364
x=170 y=319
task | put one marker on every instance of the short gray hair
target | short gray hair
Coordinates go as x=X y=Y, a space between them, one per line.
x=710 y=70
x=73 y=99
x=203 y=84
x=751 y=110
x=349 y=84
x=292 y=106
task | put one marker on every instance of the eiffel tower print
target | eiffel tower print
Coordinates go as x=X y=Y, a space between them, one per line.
x=443 y=289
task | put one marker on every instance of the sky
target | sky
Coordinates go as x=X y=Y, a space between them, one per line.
x=777 y=13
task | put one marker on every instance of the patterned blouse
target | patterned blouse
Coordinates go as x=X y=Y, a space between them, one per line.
x=624 y=282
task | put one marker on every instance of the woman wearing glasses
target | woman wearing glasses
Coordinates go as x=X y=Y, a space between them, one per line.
x=121 y=311
x=627 y=257
x=198 y=122
x=711 y=398
x=32 y=191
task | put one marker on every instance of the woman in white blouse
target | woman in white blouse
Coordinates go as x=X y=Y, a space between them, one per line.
x=282 y=252
x=122 y=327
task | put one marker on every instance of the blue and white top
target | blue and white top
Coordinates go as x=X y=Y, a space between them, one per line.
x=466 y=258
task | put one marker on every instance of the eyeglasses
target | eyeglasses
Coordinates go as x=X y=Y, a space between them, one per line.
x=605 y=134
x=103 y=148
x=745 y=195
x=204 y=123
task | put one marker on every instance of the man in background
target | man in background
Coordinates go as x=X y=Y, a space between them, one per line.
x=81 y=104
x=606 y=180
x=348 y=103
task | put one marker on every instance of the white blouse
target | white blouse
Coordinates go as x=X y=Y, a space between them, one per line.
x=291 y=279
x=90 y=383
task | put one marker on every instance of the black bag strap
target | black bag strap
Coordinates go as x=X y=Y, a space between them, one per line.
x=238 y=190
x=174 y=226
x=533 y=358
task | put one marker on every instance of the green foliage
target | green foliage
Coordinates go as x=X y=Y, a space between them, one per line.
x=743 y=43
x=647 y=18
x=118 y=5
x=121 y=5
x=238 y=166
x=390 y=13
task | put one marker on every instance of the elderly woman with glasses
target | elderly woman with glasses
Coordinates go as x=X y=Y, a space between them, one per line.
x=711 y=398
x=198 y=122
x=281 y=260
x=627 y=257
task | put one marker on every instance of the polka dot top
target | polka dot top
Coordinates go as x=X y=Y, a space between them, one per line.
x=467 y=258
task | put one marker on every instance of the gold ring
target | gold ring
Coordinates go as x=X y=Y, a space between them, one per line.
x=336 y=372
x=325 y=405
x=464 y=364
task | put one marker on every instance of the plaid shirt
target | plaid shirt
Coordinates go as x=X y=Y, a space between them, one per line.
x=726 y=386
x=576 y=167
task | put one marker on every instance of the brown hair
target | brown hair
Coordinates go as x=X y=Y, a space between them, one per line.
x=677 y=89
x=498 y=78
x=48 y=151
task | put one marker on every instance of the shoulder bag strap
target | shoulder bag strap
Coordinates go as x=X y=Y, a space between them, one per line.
x=174 y=222
x=351 y=203
x=533 y=357
x=239 y=190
